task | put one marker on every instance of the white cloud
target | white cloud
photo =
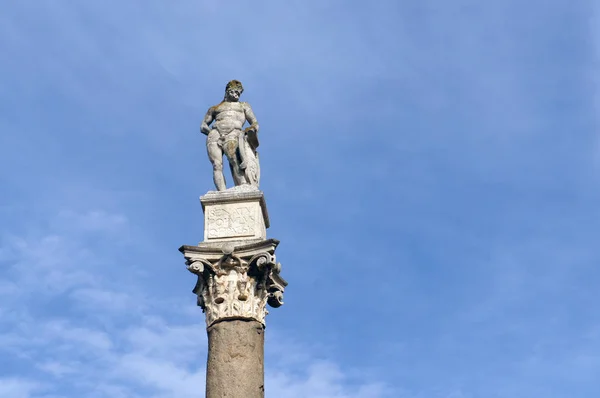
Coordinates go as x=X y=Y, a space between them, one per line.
x=107 y=339
x=17 y=388
x=93 y=220
x=319 y=379
x=421 y=107
x=58 y=369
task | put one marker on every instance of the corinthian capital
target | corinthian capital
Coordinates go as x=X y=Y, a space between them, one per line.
x=236 y=282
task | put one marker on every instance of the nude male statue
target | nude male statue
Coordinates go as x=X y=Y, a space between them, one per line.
x=227 y=137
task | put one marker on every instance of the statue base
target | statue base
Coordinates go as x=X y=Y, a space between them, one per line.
x=238 y=213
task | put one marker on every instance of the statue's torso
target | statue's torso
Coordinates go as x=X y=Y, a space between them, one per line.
x=229 y=117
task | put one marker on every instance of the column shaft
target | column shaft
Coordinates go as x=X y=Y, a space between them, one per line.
x=235 y=367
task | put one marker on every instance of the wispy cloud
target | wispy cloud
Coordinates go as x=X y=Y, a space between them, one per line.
x=429 y=169
x=17 y=388
x=82 y=349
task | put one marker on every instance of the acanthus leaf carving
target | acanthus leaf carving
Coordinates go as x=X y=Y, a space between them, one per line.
x=236 y=284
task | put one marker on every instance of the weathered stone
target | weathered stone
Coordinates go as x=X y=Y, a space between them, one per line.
x=235 y=367
x=237 y=271
x=226 y=137
x=236 y=281
x=234 y=214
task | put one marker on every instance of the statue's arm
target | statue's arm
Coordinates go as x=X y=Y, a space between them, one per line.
x=250 y=118
x=208 y=119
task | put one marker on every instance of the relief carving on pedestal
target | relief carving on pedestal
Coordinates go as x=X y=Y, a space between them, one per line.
x=231 y=220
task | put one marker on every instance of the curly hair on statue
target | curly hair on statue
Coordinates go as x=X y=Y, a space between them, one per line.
x=235 y=84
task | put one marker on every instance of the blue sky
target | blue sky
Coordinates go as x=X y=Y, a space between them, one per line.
x=431 y=169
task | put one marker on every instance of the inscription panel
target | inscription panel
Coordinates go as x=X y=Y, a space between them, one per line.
x=233 y=220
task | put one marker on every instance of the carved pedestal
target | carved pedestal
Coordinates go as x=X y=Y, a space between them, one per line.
x=238 y=213
x=238 y=275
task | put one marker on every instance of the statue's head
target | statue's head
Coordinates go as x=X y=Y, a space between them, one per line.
x=233 y=91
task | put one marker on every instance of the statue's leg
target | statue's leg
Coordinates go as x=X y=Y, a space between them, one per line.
x=231 y=148
x=215 y=154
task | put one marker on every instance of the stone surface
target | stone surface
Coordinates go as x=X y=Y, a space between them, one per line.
x=236 y=280
x=235 y=367
x=234 y=214
x=226 y=137
x=237 y=276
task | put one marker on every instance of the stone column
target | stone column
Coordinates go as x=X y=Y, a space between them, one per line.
x=237 y=276
x=235 y=365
